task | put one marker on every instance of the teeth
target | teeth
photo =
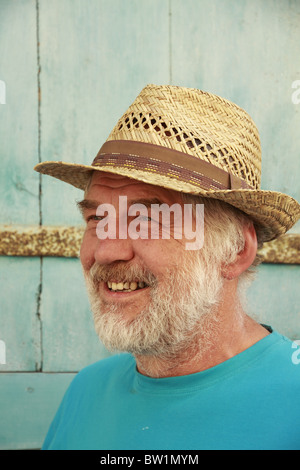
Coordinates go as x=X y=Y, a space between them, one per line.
x=125 y=286
x=133 y=285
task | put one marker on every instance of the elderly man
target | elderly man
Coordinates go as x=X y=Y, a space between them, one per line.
x=193 y=370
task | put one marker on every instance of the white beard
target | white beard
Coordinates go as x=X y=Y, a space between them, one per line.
x=180 y=314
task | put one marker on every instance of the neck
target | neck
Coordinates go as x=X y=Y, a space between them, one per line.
x=225 y=333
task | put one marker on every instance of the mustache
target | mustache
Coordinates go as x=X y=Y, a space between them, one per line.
x=122 y=272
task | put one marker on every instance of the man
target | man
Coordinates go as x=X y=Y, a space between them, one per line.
x=193 y=370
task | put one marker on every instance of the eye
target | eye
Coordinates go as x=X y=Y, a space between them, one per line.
x=94 y=218
x=143 y=218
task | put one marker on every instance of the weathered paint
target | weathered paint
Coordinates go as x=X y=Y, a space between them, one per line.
x=70 y=69
x=273 y=298
x=66 y=241
x=285 y=250
x=20 y=323
x=247 y=51
x=69 y=338
x=92 y=68
x=19 y=187
x=40 y=241
x=30 y=408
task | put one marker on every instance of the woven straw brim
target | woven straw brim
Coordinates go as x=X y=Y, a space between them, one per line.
x=275 y=211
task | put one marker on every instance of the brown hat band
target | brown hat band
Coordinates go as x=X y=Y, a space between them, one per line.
x=167 y=162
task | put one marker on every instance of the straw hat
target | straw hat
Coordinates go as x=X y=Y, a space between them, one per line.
x=190 y=141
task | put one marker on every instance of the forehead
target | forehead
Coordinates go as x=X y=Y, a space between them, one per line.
x=106 y=184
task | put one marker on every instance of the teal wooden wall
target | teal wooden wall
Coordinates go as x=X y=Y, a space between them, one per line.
x=70 y=68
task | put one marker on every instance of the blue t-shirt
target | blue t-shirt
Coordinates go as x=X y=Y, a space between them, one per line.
x=251 y=401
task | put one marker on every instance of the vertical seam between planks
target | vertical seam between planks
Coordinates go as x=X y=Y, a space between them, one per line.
x=170 y=43
x=39 y=103
x=39 y=366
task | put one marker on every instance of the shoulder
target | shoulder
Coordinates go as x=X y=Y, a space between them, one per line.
x=282 y=359
x=284 y=346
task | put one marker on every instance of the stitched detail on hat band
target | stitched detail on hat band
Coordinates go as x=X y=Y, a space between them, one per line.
x=166 y=161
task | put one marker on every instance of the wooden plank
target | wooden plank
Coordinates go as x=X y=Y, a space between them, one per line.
x=284 y=250
x=28 y=403
x=66 y=241
x=95 y=58
x=69 y=339
x=19 y=185
x=216 y=47
x=20 y=326
x=40 y=241
x=274 y=298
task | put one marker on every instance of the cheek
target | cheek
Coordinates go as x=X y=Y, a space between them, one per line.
x=158 y=255
x=87 y=252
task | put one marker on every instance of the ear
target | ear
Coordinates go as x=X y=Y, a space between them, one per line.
x=245 y=257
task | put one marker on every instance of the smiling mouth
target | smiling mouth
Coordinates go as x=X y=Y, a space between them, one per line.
x=127 y=286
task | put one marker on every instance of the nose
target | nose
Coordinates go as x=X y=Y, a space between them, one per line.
x=109 y=251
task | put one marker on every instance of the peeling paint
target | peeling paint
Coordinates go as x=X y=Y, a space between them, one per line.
x=65 y=242
x=40 y=241
x=284 y=250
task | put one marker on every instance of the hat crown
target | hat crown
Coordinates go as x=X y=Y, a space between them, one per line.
x=196 y=123
x=193 y=142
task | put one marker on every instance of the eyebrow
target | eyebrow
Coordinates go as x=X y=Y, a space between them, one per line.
x=86 y=204
x=92 y=204
x=145 y=201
